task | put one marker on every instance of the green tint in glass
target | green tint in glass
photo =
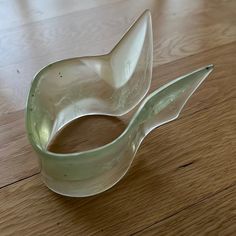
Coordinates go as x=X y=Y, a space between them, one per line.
x=111 y=84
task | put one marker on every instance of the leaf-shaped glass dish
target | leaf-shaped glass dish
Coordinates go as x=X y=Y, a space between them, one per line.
x=111 y=84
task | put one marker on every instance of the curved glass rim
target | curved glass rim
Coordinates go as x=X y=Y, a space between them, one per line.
x=94 y=150
x=108 y=145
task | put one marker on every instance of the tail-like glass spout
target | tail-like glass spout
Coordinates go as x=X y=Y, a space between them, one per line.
x=166 y=103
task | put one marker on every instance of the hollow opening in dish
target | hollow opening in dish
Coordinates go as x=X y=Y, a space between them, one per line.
x=87 y=133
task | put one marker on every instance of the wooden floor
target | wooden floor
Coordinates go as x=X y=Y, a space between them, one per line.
x=183 y=180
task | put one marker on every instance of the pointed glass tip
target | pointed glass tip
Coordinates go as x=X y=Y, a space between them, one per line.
x=210 y=67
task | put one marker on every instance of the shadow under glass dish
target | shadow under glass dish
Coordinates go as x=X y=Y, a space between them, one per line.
x=111 y=84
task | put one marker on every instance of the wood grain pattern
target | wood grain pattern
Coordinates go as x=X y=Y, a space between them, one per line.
x=17 y=13
x=189 y=161
x=17 y=159
x=183 y=179
x=201 y=218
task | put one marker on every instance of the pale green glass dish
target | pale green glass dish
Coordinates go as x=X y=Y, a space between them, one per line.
x=111 y=84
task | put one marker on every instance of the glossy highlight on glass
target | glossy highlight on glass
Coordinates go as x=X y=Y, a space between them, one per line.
x=111 y=84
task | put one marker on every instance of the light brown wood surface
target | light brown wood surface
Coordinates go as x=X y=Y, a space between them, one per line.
x=183 y=179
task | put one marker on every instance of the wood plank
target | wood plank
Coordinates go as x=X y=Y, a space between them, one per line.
x=178 y=165
x=214 y=216
x=220 y=87
x=17 y=158
x=27 y=48
x=15 y=13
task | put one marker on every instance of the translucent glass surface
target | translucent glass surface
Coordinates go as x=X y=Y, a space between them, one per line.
x=110 y=84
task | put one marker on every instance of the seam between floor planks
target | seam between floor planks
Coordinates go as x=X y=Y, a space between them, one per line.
x=185 y=208
x=19 y=180
x=194 y=54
